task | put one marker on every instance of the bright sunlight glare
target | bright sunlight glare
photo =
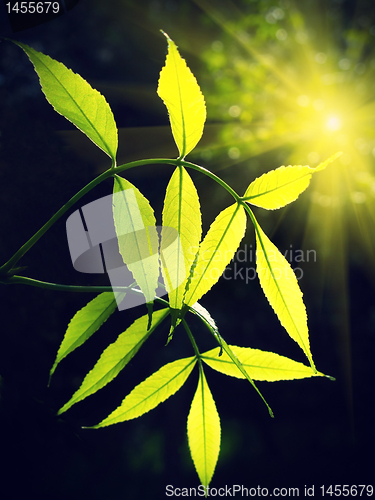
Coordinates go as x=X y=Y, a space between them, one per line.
x=333 y=123
x=295 y=84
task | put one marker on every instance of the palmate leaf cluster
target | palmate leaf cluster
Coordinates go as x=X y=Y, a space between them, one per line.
x=189 y=265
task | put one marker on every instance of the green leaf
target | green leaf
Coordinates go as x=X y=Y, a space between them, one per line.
x=236 y=362
x=203 y=429
x=182 y=213
x=152 y=391
x=115 y=357
x=86 y=322
x=260 y=365
x=74 y=98
x=216 y=251
x=281 y=288
x=137 y=236
x=277 y=188
x=206 y=317
x=183 y=98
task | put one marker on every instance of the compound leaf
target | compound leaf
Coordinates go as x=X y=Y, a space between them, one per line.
x=203 y=429
x=236 y=362
x=216 y=251
x=181 y=234
x=115 y=357
x=152 y=391
x=74 y=98
x=280 y=286
x=277 y=188
x=207 y=319
x=184 y=100
x=137 y=236
x=86 y=322
x=260 y=365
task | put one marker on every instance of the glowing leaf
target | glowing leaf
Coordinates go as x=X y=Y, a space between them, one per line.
x=216 y=251
x=206 y=318
x=277 y=188
x=74 y=98
x=181 y=213
x=137 y=236
x=260 y=365
x=86 y=322
x=280 y=286
x=183 y=98
x=115 y=357
x=152 y=391
x=203 y=429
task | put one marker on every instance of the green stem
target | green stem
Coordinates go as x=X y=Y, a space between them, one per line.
x=212 y=176
x=251 y=215
x=23 y=280
x=16 y=257
x=7 y=267
x=192 y=339
x=187 y=164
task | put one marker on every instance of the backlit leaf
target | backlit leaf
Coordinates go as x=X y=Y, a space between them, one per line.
x=152 y=391
x=260 y=365
x=281 y=288
x=224 y=347
x=86 y=322
x=183 y=98
x=74 y=98
x=203 y=428
x=277 y=188
x=216 y=251
x=116 y=356
x=181 y=234
x=137 y=236
x=206 y=317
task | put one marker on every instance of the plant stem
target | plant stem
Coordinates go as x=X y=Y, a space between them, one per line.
x=13 y=260
x=192 y=339
x=23 y=280
x=187 y=164
x=212 y=176
x=7 y=267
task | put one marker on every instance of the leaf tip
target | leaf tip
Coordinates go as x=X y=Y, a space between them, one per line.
x=167 y=36
x=332 y=158
x=170 y=335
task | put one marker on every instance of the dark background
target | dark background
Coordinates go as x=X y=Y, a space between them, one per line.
x=323 y=431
